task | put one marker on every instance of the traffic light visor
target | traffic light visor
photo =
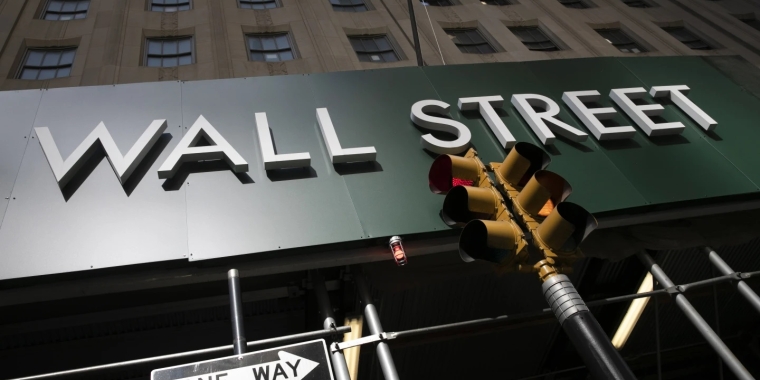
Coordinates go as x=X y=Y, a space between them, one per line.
x=465 y=203
x=494 y=241
x=543 y=193
x=448 y=171
x=523 y=160
x=566 y=227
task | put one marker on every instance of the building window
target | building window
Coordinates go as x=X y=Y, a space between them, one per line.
x=534 y=39
x=258 y=4
x=637 y=3
x=576 y=4
x=688 y=38
x=470 y=41
x=438 y=3
x=47 y=63
x=496 y=2
x=349 y=5
x=169 y=5
x=621 y=41
x=270 y=47
x=66 y=9
x=753 y=22
x=374 y=49
x=169 y=52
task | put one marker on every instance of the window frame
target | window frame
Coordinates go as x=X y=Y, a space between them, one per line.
x=697 y=38
x=477 y=31
x=556 y=47
x=621 y=34
x=277 y=4
x=451 y=3
x=752 y=22
x=353 y=7
x=152 y=3
x=389 y=40
x=646 y=4
x=506 y=2
x=147 y=55
x=46 y=10
x=291 y=43
x=45 y=50
x=571 y=4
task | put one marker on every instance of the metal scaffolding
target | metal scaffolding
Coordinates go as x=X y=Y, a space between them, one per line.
x=454 y=330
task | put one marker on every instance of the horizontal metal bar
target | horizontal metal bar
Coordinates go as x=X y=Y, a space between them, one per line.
x=359 y=342
x=155 y=359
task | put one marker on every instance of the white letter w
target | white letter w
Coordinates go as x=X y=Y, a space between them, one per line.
x=122 y=165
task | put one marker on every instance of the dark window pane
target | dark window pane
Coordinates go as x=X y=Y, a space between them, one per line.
x=154 y=62
x=80 y=16
x=382 y=44
x=255 y=56
x=69 y=6
x=576 y=4
x=185 y=46
x=268 y=43
x=486 y=49
x=51 y=16
x=158 y=1
x=47 y=74
x=170 y=47
x=184 y=7
x=34 y=58
x=286 y=55
x=65 y=17
x=55 y=6
x=254 y=43
x=390 y=57
x=271 y=57
x=282 y=42
x=51 y=59
x=185 y=60
x=357 y=45
x=67 y=57
x=369 y=45
x=170 y=62
x=29 y=73
x=154 y=47
x=63 y=72
x=83 y=5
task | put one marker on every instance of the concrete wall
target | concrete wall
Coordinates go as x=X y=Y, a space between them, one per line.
x=111 y=38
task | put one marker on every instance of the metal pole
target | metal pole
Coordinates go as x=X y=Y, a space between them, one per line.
x=415 y=36
x=373 y=321
x=712 y=338
x=236 y=311
x=591 y=342
x=206 y=351
x=323 y=299
x=741 y=286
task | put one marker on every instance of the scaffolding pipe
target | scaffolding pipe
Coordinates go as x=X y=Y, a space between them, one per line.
x=236 y=312
x=691 y=313
x=323 y=299
x=741 y=286
x=375 y=328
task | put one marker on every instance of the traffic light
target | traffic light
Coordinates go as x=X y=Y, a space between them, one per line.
x=448 y=171
x=536 y=198
x=473 y=202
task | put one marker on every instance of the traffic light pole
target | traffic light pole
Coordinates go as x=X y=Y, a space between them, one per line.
x=696 y=319
x=590 y=341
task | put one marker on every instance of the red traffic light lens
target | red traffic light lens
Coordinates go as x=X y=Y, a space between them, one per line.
x=439 y=178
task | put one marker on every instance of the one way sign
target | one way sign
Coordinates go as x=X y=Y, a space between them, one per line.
x=303 y=361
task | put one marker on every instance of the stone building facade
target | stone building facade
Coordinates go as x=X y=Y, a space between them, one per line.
x=111 y=38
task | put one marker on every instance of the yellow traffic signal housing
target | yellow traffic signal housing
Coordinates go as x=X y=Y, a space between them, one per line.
x=448 y=171
x=466 y=203
x=560 y=234
x=497 y=241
